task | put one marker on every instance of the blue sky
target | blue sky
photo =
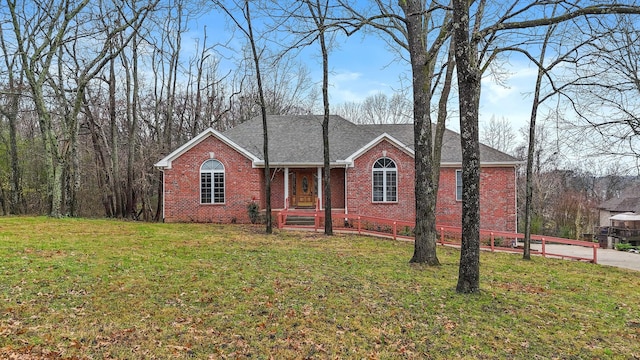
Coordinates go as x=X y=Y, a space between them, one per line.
x=364 y=65
x=361 y=67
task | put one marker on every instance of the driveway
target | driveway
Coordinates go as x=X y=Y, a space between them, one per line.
x=605 y=256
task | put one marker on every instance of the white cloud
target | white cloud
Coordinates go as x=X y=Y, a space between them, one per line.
x=345 y=75
x=349 y=86
x=511 y=100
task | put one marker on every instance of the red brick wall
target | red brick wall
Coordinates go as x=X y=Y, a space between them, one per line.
x=182 y=185
x=337 y=188
x=497 y=199
x=359 y=183
x=497 y=192
x=244 y=184
x=277 y=189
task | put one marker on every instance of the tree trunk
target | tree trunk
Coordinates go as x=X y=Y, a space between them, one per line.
x=422 y=65
x=133 y=128
x=526 y=254
x=72 y=185
x=442 y=117
x=263 y=112
x=328 y=220
x=469 y=101
x=113 y=131
x=16 y=203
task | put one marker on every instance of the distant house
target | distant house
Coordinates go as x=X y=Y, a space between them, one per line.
x=620 y=218
x=214 y=176
x=628 y=200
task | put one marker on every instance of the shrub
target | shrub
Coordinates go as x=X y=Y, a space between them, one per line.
x=254 y=212
x=407 y=231
x=624 y=247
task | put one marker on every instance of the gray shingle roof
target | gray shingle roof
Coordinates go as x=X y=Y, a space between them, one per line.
x=451 y=148
x=297 y=139
x=629 y=200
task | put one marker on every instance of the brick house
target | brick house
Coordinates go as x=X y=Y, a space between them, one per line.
x=214 y=176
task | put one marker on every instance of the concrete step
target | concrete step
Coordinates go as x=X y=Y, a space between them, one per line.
x=300 y=220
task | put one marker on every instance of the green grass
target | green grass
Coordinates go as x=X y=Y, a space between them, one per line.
x=98 y=289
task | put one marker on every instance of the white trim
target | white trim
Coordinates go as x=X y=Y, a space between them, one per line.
x=376 y=141
x=164 y=196
x=299 y=165
x=165 y=163
x=286 y=187
x=385 y=186
x=515 y=195
x=458 y=171
x=319 y=194
x=346 y=192
x=483 y=164
x=212 y=172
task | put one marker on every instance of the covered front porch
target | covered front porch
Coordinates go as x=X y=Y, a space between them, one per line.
x=302 y=188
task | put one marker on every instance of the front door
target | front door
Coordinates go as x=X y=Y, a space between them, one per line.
x=303 y=191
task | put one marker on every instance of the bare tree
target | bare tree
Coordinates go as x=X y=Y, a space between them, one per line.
x=469 y=77
x=422 y=30
x=247 y=29
x=499 y=134
x=378 y=109
x=48 y=36
x=606 y=99
x=319 y=11
x=475 y=49
x=11 y=97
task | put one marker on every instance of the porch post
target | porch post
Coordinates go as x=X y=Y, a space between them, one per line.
x=319 y=187
x=286 y=188
x=345 y=190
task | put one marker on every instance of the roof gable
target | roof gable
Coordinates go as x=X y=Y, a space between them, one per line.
x=406 y=149
x=165 y=163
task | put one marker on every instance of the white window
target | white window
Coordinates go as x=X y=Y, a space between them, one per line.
x=385 y=181
x=458 y=185
x=212 y=182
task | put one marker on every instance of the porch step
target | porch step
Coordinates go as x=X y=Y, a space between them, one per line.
x=300 y=220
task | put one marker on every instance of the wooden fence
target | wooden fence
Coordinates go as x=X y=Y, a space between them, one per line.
x=447 y=235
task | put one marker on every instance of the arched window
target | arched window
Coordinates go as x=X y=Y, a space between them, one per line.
x=385 y=180
x=212 y=182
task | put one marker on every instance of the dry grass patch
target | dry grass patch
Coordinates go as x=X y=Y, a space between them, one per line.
x=76 y=288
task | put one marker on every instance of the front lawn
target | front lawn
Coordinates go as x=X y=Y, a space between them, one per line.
x=75 y=288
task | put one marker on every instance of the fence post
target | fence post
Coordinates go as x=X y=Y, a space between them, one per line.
x=595 y=254
x=359 y=226
x=395 y=229
x=492 y=243
x=543 y=248
x=315 y=222
x=441 y=236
